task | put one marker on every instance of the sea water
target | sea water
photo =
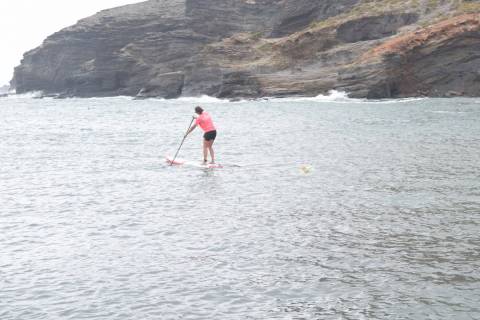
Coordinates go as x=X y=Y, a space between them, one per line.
x=326 y=208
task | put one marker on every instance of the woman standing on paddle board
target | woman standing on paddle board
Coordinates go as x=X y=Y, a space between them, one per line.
x=205 y=122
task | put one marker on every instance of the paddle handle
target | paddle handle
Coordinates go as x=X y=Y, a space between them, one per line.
x=183 y=140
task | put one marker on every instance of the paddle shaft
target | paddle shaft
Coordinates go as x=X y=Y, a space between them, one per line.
x=184 y=137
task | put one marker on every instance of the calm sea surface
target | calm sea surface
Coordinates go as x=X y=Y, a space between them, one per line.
x=327 y=208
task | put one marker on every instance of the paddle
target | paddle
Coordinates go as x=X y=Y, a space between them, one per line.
x=184 y=137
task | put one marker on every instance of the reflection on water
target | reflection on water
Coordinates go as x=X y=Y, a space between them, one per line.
x=324 y=210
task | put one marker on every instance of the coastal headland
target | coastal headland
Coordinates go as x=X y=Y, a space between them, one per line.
x=263 y=48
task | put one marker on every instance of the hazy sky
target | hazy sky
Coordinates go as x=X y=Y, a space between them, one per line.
x=24 y=24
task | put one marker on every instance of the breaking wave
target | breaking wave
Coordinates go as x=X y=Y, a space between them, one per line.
x=333 y=96
x=28 y=95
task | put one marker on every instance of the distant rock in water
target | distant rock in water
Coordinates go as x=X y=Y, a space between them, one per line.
x=259 y=48
x=4 y=90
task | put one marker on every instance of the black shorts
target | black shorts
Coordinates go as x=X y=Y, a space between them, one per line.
x=210 y=135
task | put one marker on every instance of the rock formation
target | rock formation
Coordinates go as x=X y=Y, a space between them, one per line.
x=4 y=90
x=258 y=48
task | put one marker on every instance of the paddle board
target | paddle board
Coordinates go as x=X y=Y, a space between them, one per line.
x=183 y=162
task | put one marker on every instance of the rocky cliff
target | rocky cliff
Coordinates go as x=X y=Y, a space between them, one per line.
x=257 y=48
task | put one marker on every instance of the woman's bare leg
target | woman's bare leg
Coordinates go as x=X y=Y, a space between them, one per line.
x=205 y=150
x=212 y=154
x=210 y=149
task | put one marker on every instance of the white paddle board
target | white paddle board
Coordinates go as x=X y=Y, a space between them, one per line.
x=183 y=162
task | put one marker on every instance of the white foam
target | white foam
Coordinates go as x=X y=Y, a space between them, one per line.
x=342 y=97
x=398 y=100
x=101 y=98
x=448 y=112
x=332 y=96
x=201 y=99
x=28 y=95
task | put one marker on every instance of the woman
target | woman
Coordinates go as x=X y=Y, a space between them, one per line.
x=205 y=122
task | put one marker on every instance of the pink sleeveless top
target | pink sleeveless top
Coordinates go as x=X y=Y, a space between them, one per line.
x=205 y=122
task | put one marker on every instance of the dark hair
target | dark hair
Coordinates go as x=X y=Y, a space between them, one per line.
x=198 y=110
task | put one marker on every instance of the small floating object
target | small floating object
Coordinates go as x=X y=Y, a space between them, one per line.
x=306 y=169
